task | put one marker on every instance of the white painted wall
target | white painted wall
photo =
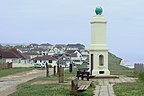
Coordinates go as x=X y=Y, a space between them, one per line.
x=22 y=65
x=8 y=60
x=44 y=61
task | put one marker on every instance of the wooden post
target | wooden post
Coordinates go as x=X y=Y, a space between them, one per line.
x=74 y=86
x=58 y=69
x=61 y=75
x=54 y=70
x=0 y=60
x=47 y=71
x=70 y=68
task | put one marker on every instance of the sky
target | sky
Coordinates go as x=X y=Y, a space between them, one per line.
x=68 y=21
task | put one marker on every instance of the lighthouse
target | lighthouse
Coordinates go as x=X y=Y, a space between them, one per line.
x=98 y=51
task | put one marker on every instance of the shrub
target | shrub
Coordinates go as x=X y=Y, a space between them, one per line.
x=50 y=66
x=141 y=76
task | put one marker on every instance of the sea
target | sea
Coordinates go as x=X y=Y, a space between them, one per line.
x=131 y=59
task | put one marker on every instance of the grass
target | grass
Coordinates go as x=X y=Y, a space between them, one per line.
x=129 y=89
x=141 y=76
x=116 y=69
x=126 y=89
x=82 y=66
x=42 y=90
x=50 y=89
x=6 y=72
x=128 y=73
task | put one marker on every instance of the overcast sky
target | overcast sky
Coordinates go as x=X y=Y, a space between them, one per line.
x=68 y=21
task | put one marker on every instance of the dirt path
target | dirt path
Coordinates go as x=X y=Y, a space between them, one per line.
x=9 y=83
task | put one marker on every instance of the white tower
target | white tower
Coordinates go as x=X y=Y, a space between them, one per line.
x=98 y=55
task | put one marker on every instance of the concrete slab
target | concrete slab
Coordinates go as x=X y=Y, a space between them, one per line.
x=97 y=91
x=105 y=87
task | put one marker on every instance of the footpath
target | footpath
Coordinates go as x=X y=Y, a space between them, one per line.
x=105 y=86
x=9 y=84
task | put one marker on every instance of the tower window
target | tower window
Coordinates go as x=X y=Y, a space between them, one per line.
x=101 y=72
x=101 y=60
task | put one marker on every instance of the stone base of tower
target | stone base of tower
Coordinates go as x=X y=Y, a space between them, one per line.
x=103 y=72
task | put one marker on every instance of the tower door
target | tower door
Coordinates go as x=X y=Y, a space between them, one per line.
x=92 y=62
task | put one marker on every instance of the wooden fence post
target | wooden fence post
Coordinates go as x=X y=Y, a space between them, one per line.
x=70 y=68
x=57 y=69
x=54 y=70
x=61 y=75
x=47 y=71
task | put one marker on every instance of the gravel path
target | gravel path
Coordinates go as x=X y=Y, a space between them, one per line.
x=9 y=83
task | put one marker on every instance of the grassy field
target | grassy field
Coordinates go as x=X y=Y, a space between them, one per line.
x=129 y=89
x=125 y=89
x=114 y=63
x=49 y=86
x=6 y=72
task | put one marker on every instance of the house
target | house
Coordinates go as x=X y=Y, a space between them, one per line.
x=75 y=47
x=56 y=50
x=61 y=47
x=15 y=57
x=1 y=47
x=46 y=46
x=76 y=56
x=39 y=51
x=23 y=59
x=85 y=55
x=33 y=45
x=8 y=56
x=23 y=50
x=45 y=59
x=32 y=54
x=76 y=59
x=51 y=52
x=64 y=60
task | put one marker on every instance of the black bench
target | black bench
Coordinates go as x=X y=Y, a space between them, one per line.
x=83 y=74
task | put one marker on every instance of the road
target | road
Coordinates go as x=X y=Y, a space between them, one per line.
x=9 y=84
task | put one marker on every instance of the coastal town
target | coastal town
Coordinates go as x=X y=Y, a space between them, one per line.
x=28 y=55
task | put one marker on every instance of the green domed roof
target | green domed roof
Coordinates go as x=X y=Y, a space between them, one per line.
x=98 y=10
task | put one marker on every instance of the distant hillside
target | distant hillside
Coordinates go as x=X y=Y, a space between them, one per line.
x=114 y=63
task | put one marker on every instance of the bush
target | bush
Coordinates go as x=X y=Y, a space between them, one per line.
x=50 y=66
x=141 y=76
